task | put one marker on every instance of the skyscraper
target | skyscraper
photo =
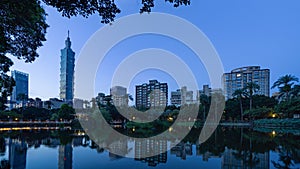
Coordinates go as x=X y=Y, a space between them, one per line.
x=67 y=64
x=154 y=94
x=20 y=91
x=238 y=79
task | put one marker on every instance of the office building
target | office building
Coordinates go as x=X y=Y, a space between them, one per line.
x=20 y=90
x=67 y=65
x=238 y=79
x=119 y=96
x=154 y=94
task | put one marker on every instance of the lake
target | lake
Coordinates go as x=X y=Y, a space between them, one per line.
x=227 y=148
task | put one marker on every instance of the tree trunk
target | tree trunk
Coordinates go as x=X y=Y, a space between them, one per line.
x=251 y=103
x=241 y=108
x=203 y=113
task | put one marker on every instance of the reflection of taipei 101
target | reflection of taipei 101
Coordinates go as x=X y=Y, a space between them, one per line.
x=65 y=155
x=67 y=64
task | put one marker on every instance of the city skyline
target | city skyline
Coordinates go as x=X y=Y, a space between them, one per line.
x=269 y=41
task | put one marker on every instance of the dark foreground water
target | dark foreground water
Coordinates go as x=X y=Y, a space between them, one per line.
x=226 y=148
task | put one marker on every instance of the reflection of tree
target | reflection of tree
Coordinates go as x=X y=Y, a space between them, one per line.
x=4 y=164
x=2 y=146
x=285 y=158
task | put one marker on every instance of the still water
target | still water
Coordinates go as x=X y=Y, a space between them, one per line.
x=227 y=148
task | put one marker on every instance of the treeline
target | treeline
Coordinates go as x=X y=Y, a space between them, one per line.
x=66 y=112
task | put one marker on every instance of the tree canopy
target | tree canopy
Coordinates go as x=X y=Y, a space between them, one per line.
x=23 y=27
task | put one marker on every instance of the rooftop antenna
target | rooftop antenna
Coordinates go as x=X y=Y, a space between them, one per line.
x=68 y=33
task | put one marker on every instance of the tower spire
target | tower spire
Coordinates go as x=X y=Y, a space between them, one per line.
x=68 y=33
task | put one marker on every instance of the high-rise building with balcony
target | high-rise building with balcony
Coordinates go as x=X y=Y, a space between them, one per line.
x=154 y=94
x=67 y=64
x=238 y=79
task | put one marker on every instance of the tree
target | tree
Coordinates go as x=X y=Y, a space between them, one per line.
x=250 y=89
x=295 y=92
x=239 y=94
x=23 y=27
x=285 y=84
x=66 y=112
x=22 y=31
x=204 y=105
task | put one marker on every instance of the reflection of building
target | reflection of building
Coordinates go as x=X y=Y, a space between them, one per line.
x=119 y=147
x=119 y=96
x=145 y=148
x=154 y=94
x=233 y=159
x=17 y=154
x=67 y=64
x=181 y=97
x=65 y=155
x=238 y=79
x=182 y=150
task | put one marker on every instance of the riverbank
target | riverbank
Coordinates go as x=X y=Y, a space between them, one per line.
x=277 y=123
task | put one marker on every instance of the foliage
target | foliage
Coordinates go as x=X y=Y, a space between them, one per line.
x=6 y=115
x=66 y=112
x=22 y=31
x=285 y=84
x=250 y=89
x=288 y=108
x=258 y=113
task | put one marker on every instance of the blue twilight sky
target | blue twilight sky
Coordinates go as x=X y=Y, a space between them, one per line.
x=256 y=32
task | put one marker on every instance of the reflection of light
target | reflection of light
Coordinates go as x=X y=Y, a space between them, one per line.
x=170 y=129
x=170 y=119
x=238 y=75
x=80 y=133
x=31 y=128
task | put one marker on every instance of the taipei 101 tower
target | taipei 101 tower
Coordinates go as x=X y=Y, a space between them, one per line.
x=67 y=64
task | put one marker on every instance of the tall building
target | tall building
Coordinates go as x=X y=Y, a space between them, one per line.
x=67 y=64
x=20 y=90
x=176 y=97
x=119 y=96
x=206 y=90
x=181 y=97
x=154 y=94
x=238 y=79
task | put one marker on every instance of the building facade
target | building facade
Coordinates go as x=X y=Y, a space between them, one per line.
x=238 y=79
x=119 y=96
x=154 y=94
x=181 y=97
x=67 y=64
x=20 y=90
